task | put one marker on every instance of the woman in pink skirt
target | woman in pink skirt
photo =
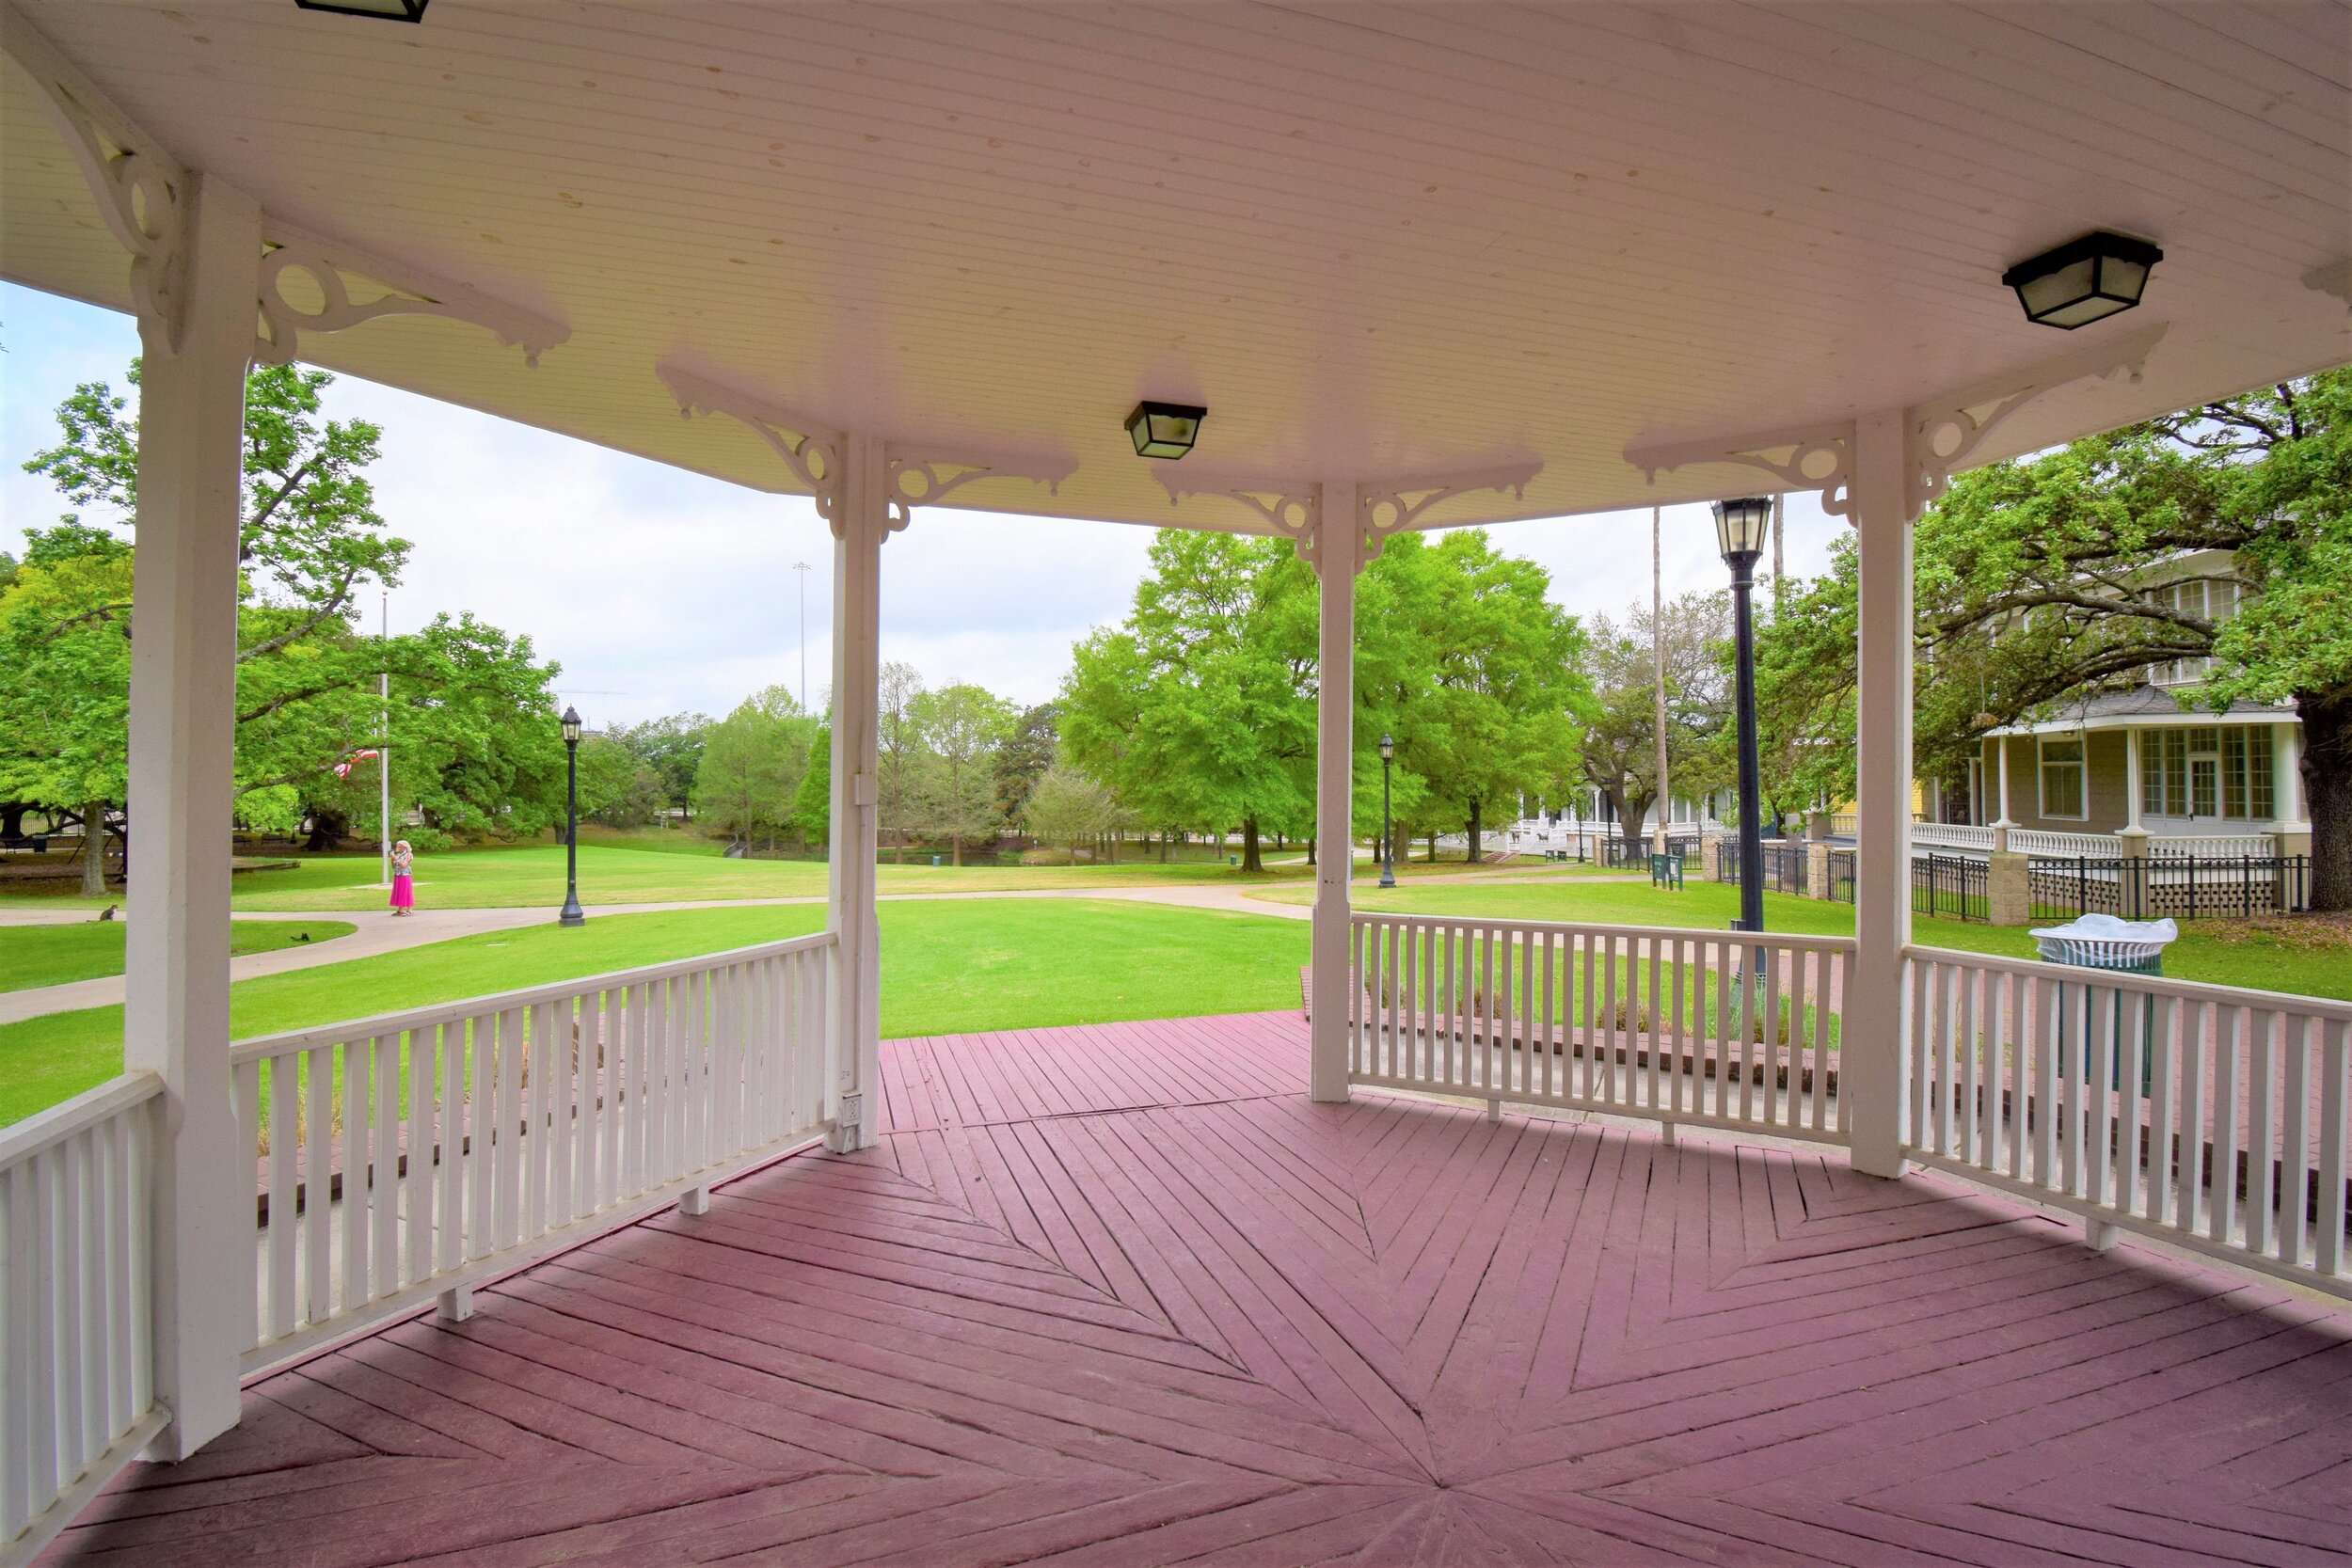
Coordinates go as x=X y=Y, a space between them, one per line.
x=404 y=891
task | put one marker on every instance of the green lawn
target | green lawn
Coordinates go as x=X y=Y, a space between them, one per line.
x=55 y=955
x=2210 y=951
x=947 y=968
x=678 y=867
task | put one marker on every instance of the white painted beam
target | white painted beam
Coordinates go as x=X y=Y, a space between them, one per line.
x=1339 y=549
x=182 y=724
x=1871 y=1040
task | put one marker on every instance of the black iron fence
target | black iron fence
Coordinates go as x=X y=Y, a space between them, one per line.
x=1786 y=866
x=1958 y=887
x=1599 y=846
x=2178 y=887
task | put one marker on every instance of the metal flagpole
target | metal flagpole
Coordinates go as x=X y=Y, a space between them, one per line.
x=384 y=741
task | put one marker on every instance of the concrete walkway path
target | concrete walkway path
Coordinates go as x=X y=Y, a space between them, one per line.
x=380 y=932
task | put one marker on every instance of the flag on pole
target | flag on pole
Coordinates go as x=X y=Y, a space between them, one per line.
x=342 y=768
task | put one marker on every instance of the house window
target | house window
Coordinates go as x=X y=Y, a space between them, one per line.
x=2208 y=770
x=2213 y=600
x=2061 y=772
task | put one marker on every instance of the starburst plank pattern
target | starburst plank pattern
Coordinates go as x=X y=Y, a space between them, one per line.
x=1120 y=1296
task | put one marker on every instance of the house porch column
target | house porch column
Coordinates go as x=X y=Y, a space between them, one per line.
x=1338 y=556
x=1873 y=1044
x=182 y=726
x=863 y=522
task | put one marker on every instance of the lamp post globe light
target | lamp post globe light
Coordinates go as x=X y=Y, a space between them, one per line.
x=572 y=914
x=1741 y=530
x=1388 y=834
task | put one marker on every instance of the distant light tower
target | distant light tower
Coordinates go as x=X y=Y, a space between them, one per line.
x=800 y=569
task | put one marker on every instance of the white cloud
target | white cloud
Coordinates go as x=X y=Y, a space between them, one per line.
x=660 y=591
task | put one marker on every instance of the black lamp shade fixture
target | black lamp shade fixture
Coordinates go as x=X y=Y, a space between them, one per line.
x=1165 y=429
x=1388 y=748
x=2083 y=281
x=1742 y=528
x=383 y=10
x=571 y=726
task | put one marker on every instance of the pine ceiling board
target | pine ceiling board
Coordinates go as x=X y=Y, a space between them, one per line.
x=992 y=223
x=2308 y=36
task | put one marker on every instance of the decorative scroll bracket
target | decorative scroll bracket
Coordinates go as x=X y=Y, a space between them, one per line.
x=1939 y=435
x=1803 y=457
x=141 y=189
x=142 y=194
x=812 y=450
x=330 y=267
x=923 y=478
x=1390 y=506
x=818 y=454
x=1291 y=508
x=1942 y=434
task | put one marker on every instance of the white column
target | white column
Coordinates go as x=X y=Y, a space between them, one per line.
x=863 y=524
x=1337 y=551
x=183 y=684
x=2131 y=778
x=1873 y=1045
x=2286 y=775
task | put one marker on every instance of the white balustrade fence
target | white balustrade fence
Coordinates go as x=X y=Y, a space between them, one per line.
x=76 y=1385
x=1674 y=1025
x=2211 y=1118
x=406 y=1156
x=2214 y=845
x=1952 y=835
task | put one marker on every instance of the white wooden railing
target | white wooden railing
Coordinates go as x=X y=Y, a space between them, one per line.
x=1640 y=1022
x=76 y=1385
x=2030 y=1076
x=2214 y=845
x=409 y=1156
x=1952 y=835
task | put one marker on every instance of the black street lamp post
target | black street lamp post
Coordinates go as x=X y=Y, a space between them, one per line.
x=1740 y=527
x=572 y=914
x=1388 y=832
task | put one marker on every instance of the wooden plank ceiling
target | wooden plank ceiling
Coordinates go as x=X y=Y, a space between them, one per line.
x=1374 y=240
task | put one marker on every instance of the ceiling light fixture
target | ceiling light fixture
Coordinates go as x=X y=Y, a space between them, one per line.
x=1165 y=429
x=2083 y=281
x=383 y=10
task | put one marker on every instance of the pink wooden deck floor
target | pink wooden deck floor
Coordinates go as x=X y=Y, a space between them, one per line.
x=1122 y=1295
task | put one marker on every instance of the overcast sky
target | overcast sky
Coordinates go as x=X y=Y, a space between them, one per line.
x=660 y=591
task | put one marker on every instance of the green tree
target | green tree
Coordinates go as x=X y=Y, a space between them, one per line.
x=1070 y=809
x=1027 y=751
x=812 y=802
x=1199 y=708
x=672 y=747
x=1619 y=754
x=617 y=788
x=467 y=699
x=1506 y=700
x=753 y=763
x=962 y=725
x=900 y=752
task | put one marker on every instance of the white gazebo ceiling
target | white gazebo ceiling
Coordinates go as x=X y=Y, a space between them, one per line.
x=1374 y=240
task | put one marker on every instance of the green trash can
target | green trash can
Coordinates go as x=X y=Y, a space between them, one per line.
x=1666 y=871
x=2119 y=946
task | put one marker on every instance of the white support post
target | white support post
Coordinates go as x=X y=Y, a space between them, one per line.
x=1338 y=551
x=2286 y=776
x=1872 y=1046
x=2132 y=765
x=184 y=679
x=862 y=524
